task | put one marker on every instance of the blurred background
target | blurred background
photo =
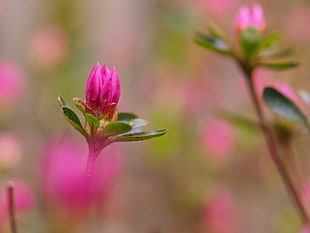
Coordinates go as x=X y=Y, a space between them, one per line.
x=204 y=175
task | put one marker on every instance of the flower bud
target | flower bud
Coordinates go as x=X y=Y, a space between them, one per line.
x=247 y=18
x=103 y=90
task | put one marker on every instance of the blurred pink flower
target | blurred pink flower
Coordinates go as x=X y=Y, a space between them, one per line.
x=12 y=82
x=23 y=196
x=219 y=213
x=304 y=230
x=250 y=17
x=218 y=139
x=10 y=150
x=49 y=46
x=64 y=180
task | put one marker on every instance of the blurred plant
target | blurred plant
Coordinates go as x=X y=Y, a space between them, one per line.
x=252 y=49
x=23 y=200
x=103 y=124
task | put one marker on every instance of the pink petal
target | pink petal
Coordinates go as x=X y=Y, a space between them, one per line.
x=93 y=85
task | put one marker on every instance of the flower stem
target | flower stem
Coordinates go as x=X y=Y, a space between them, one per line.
x=11 y=206
x=90 y=167
x=271 y=144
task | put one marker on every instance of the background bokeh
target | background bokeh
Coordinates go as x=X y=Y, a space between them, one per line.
x=204 y=175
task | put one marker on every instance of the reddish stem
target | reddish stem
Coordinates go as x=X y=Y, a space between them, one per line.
x=11 y=206
x=271 y=144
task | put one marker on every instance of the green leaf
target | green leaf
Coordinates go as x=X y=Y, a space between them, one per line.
x=279 y=66
x=92 y=121
x=73 y=119
x=116 y=128
x=126 y=116
x=213 y=43
x=62 y=102
x=217 y=32
x=283 y=106
x=138 y=122
x=239 y=121
x=141 y=136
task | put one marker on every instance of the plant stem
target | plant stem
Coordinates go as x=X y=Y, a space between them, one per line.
x=271 y=144
x=90 y=167
x=11 y=206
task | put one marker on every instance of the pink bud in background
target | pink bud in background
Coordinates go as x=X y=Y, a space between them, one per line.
x=250 y=17
x=49 y=46
x=218 y=139
x=12 y=82
x=219 y=213
x=10 y=150
x=102 y=90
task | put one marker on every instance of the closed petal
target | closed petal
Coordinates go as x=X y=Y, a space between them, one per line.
x=93 y=85
x=116 y=87
x=258 y=17
x=243 y=19
x=106 y=90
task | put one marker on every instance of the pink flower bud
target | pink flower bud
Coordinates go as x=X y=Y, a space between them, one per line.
x=103 y=90
x=247 y=17
x=93 y=87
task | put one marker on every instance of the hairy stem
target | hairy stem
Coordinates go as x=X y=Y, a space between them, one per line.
x=271 y=144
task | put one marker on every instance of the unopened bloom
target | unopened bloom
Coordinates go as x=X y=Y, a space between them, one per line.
x=102 y=90
x=250 y=17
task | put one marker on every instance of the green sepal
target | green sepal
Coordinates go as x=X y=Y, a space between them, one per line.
x=126 y=116
x=278 y=66
x=250 y=42
x=92 y=121
x=283 y=106
x=140 y=136
x=116 y=128
x=73 y=119
x=79 y=107
x=270 y=40
x=213 y=43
